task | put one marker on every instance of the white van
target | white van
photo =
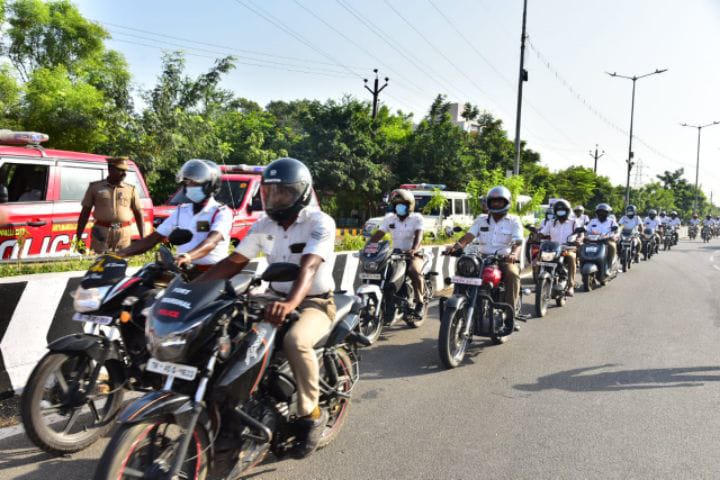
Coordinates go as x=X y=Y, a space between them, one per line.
x=457 y=211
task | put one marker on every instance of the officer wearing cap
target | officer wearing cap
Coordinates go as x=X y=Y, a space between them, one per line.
x=115 y=205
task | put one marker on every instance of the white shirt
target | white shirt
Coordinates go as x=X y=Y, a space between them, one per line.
x=213 y=217
x=633 y=222
x=497 y=237
x=313 y=233
x=694 y=222
x=560 y=231
x=402 y=231
x=708 y=223
x=663 y=220
x=583 y=220
x=674 y=222
x=652 y=223
x=596 y=227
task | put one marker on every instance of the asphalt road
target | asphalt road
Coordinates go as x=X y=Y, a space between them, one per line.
x=622 y=382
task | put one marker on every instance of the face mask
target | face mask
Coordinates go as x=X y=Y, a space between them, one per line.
x=562 y=213
x=630 y=214
x=602 y=216
x=195 y=194
x=401 y=209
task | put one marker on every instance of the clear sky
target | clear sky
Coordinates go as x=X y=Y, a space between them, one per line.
x=469 y=50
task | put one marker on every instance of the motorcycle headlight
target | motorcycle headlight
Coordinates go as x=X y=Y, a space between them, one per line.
x=468 y=266
x=371 y=266
x=547 y=256
x=89 y=299
x=173 y=345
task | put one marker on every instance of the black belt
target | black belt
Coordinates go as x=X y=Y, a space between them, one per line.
x=324 y=296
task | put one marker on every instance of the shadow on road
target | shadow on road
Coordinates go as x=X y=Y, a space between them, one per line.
x=17 y=452
x=578 y=380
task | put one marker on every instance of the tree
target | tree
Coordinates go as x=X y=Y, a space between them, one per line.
x=470 y=112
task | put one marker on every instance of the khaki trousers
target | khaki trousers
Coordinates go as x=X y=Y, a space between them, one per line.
x=316 y=316
x=414 y=271
x=511 y=276
x=571 y=265
x=105 y=239
x=612 y=250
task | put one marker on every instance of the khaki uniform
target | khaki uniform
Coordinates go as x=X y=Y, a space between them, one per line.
x=113 y=213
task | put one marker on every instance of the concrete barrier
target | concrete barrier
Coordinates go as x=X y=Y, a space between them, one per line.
x=37 y=309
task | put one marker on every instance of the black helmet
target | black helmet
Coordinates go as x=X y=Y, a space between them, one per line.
x=561 y=205
x=502 y=193
x=673 y=214
x=203 y=172
x=708 y=217
x=286 y=188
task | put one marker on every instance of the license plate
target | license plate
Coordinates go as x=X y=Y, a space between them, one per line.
x=183 y=372
x=99 y=319
x=370 y=276
x=591 y=249
x=547 y=264
x=467 y=281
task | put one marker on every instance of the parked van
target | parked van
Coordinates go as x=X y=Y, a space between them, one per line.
x=456 y=212
x=41 y=190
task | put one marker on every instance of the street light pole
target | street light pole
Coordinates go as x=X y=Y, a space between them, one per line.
x=697 y=164
x=522 y=77
x=630 y=163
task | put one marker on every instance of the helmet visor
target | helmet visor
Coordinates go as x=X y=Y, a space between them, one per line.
x=276 y=196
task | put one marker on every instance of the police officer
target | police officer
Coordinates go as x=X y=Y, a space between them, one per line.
x=209 y=221
x=675 y=223
x=559 y=230
x=653 y=223
x=116 y=203
x=498 y=233
x=294 y=232
x=406 y=228
x=579 y=211
x=603 y=224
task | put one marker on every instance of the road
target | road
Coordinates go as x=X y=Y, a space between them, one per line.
x=622 y=382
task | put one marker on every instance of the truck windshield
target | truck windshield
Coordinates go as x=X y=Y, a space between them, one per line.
x=232 y=193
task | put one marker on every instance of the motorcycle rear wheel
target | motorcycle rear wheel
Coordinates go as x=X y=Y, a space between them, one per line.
x=588 y=281
x=451 y=344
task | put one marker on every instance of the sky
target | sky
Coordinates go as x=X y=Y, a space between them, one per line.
x=468 y=50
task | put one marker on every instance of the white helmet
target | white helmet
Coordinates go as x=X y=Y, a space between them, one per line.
x=499 y=192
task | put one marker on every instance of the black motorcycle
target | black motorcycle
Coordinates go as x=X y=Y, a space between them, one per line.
x=668 y=237
x=692 y=232
x=595 y=264
x=629 y=248
x=553 y=275
x=476 y=307
x=706 y=234
x=649 y=243
x=387 y=291
x=229 y=395
x=77 y=388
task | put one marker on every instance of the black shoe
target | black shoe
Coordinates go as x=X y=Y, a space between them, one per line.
x=418 y=312
x=308 y=436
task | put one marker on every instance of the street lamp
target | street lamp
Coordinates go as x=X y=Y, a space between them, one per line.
x=697 y=164
x=630 y=163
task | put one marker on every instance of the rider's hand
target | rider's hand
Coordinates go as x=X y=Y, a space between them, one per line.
x=277 y=312
x=512 y=258
x=183 y=259
x=450 y=249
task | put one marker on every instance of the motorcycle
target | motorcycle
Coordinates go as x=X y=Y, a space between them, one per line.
x=595 y=266
x=387 y=292
x=532 y=249
x=476 y=307
x=649 y=243
x=706 y=234
x=229 y=393
x=553 y=276
x=692 y=232
x=629 y=250
x=76 y=390
x=669 y=237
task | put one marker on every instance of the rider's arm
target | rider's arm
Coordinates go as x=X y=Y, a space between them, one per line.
x=142 y=245
x=226 y=268
x=417 y=240
x=383 y=229
x=377 y=236
x=219 y=230
x=517 y=239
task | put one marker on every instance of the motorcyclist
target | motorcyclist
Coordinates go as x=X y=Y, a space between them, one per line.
x=709 y=223
x=549 y=217
x=632 y=220
x=558 y=231
x=652 y=221
x=579 y=211
x=694 y=221
x=406 y=228
x=674 y=222
x=602 y=224
x=209 y=221
x=294 y=232
x=498 y=233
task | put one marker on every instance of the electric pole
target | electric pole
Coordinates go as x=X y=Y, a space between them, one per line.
x=375 y=91
x=596 y=156
x=630 y=163
x=697 y=165
x=522 y=77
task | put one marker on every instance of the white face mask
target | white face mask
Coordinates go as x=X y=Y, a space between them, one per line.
x=195 y=194
x=562 y=213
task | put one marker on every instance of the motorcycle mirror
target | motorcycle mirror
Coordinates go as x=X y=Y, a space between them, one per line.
x=579 y=230
x=4 y=195
x=457 y=229
x=281 y=272
x=166 y=258
x=180 y=236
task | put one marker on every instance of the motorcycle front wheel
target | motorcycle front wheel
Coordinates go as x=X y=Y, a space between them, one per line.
x=371 y=322
x=452 y=344
x=588 y=281
x=62 y=412
x=542 y=297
